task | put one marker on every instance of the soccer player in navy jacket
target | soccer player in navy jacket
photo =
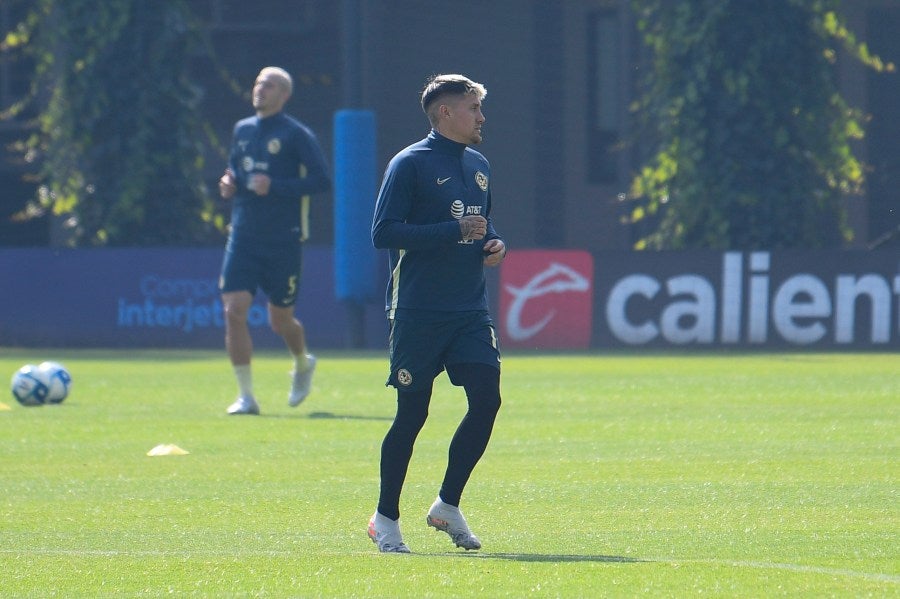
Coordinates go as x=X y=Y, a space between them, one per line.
x=274 y=165
x=434 y=215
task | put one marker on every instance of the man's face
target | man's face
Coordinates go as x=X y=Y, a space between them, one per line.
x=269 y=94
x=463 y=120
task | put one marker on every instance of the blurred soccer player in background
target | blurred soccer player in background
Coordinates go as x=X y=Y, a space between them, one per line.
x=274 y=165
x=433 y=214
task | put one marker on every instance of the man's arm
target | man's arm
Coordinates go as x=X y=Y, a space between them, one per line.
x=389 y=227
x=494 y=246
x=227 y=184
x=315 y=179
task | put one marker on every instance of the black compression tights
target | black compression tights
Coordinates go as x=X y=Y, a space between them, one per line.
x=482 y=385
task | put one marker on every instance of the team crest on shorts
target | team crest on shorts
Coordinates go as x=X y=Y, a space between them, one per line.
x=404 y=377
x=274 y=146
x=482 y=180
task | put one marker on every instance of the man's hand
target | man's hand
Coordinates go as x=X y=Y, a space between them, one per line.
x=472 y=228
x=227 y=188
x=259 y=184
x=494 y=252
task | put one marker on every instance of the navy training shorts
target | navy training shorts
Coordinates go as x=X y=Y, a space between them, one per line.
x=420 y=350
x=274 y=268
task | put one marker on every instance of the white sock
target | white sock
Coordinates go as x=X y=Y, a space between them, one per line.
x=441 y=503
x=244 y=379
x=301 y=362
x=382 y=522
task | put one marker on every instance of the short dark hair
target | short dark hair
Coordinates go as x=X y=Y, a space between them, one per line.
x=447 y=85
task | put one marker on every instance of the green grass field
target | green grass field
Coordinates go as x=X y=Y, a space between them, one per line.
x=608 y=475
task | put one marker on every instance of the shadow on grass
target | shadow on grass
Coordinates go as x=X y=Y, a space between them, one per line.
x=551 y=557
x=326 y=416
x=333 y=416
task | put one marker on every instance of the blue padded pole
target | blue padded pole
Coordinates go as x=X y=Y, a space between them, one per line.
x=355 y=260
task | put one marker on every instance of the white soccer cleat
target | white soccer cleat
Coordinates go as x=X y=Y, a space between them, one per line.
x=449 y=519
x=385 y=533
x=302 y=383
x=244 y=405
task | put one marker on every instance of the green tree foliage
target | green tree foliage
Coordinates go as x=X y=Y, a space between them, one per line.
x=753 y=139
x=119 y=139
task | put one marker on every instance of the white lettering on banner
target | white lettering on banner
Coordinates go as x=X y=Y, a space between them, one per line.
x=732 y=288
x=759 y=296
x=691 y=320
x=804 y=310
x=624 y=290
x=801 y=299
x=879 y=292
x=568 y=280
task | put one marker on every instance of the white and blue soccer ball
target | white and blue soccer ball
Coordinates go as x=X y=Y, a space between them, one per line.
x=30 y=386
x=59 y=381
